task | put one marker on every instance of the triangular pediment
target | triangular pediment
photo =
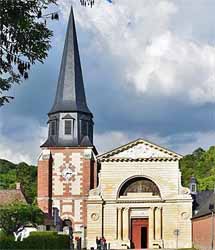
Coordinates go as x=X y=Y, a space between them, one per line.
x=140 y=150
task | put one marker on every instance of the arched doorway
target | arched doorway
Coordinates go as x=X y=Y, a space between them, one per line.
x=139 y=187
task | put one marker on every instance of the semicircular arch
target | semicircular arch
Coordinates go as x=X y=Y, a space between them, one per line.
x=139 y=184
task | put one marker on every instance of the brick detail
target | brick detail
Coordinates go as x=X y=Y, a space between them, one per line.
x=44 y=187
x=64 y=192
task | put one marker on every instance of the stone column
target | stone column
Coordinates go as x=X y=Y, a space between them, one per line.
x=119 y=223
x=125 y=223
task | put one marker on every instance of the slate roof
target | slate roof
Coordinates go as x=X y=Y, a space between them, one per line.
x=201 y=203
x=9 y=196
x=70 y=95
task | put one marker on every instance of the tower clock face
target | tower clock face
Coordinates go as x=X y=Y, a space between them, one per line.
x=68 y=172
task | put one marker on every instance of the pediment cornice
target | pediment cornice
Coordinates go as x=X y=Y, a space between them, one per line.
x=139 y=150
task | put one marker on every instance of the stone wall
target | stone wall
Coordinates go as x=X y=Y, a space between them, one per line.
x=171 y=211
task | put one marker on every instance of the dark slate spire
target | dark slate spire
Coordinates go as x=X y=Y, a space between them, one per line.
x=70 y=120
x=70 y=94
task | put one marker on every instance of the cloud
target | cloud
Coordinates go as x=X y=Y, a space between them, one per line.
x=21 y=138
x=21 y=141
x=148 y=67
x=150 y=54
x=196 y=140
x=183 y=143
x=110 y=140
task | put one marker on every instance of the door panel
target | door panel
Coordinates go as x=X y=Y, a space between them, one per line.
x=144 y=237
x=139 y=233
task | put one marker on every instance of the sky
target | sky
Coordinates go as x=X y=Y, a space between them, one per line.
x=149 y=72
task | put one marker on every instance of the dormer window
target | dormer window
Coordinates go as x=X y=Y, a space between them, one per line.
x=53 y=127
x=84 y=127
x=193 y=188
x=68 y=127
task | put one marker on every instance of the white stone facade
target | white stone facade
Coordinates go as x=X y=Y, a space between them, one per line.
x=110 y=213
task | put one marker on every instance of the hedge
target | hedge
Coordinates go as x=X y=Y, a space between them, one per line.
x=37 y=240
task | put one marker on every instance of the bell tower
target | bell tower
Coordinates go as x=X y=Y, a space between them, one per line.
x=66 y=166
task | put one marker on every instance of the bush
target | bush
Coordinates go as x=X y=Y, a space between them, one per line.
x=37 y=240
x=15 y=214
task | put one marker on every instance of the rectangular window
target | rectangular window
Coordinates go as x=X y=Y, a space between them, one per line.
x=68 y=127
x=193 y=188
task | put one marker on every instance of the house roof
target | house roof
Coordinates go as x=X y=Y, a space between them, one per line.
x=9 y=196
x=139 y=150
x=202 y=201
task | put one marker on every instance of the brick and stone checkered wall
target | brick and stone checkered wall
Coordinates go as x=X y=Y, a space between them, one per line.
x=69 y=196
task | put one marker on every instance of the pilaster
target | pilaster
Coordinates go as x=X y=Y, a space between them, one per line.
x=119 y=231
x=125 y=224
x=151 y=226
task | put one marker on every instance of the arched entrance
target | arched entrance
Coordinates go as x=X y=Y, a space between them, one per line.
x=139 y=188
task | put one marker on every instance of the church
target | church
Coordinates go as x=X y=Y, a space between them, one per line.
x=131 y=195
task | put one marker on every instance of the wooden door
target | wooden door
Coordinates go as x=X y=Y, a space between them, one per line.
x=139 y=233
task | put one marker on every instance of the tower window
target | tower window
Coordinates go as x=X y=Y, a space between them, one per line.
x=68 y=127
x=91 y=131
x=84 y=127
x=53 y=127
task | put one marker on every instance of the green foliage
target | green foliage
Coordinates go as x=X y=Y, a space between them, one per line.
x=7 y=174
x=37 y=240
x=27 y=175
x=12 y=216
x=24 y=40
x=200 y=164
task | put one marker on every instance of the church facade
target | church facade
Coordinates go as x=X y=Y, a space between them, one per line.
x=139 y=202
x=131 y=195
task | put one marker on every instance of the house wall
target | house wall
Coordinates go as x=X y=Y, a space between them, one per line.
x=201 y=231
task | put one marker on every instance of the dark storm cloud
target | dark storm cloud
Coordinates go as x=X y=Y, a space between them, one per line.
x=116 y=105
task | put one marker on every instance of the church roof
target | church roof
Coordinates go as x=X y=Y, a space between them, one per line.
x=140 y=150
x=70 y=96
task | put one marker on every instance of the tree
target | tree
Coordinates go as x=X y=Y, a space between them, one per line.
x=24 y=39
x=27 y=176
x=11 y=173
x=14 y=215
x=200 y=164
